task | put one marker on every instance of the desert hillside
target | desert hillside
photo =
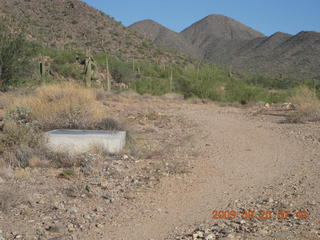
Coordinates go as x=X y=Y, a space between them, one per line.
x=74 y=24
x=163 y=36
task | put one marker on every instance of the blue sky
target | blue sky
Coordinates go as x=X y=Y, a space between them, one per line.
x=266 y=16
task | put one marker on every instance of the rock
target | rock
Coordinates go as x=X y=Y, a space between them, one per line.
x=57 y=238
x=198 y=234
x=263 y=232
x=58 y=205
x=104 y=185
x=2 y=238
x=232 y=236
x=289 y=106
x=210 y=236
x=72 y=210
x=99 y=225
x=129 y=196
x=56 y=228
x=1 y=181
x=99 y=209
x=226 y=231
x=270 y=200
x=71 y=227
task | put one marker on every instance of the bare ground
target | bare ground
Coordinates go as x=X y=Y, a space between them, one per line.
x=189 y=159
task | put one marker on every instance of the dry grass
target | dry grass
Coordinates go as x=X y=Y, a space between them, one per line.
x=6 y=172
x=308 y=107
x=63 y=105
x=3 y=100
x=172 y=97
x=19 y=143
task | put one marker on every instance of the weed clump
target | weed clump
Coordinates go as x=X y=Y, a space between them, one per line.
x=19 y=143
x=63 y=105
x=308 y=106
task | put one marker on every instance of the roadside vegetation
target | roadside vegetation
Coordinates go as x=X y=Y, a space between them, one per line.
x=51 y=93
x=29 y=114
x=307 y=106
x=28 y=64
x=59 y=105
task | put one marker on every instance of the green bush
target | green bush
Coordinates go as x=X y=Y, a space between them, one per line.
x=68 y=70
x=61 y=57
x=15 y=57
x=239 y=91
x=272 y=82
x=152 y=85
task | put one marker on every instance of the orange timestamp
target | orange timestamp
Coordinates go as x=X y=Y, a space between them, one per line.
x=261 y=214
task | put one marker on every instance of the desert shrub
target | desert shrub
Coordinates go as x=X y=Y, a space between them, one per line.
x=61 y=105
x=68 y=70
x=66 y=160
x=152 y=85
x=4 y=100
x=272 y=82
x=101 y=94
x=20 y=114
x=277 y=96
x=15 y=57
x=61 y=57
x=308 y=106
x=172 y=96
x=120 y=71
x=19 y=143
x=239 y=91
x=65 y=62
x=108 y=124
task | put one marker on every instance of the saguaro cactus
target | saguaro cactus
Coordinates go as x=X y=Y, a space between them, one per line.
x=108 y=74
x=171 y=81
x=89 y=70
x=42 y=69
x=133 y=65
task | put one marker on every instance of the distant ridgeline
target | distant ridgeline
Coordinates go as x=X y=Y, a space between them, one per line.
x=222 y=40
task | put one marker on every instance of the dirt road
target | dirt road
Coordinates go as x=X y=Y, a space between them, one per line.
x=232 y=158
x=190 y=160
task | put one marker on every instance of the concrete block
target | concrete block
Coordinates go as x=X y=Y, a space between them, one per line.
x=81 y=141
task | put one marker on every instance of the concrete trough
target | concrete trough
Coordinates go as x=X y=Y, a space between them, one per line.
x=82 y=141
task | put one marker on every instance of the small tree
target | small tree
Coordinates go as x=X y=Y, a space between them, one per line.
x=14 y=56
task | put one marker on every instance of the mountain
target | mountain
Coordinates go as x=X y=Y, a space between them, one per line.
x=215 y=29
x=295 y=56
x=222 y=40
x=74 y=24
x=163 y=36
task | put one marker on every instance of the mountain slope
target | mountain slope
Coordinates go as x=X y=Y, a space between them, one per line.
x=295 y=56
x=163 y=36
x=216 y=30
x=224 y=41
x=74 y=24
